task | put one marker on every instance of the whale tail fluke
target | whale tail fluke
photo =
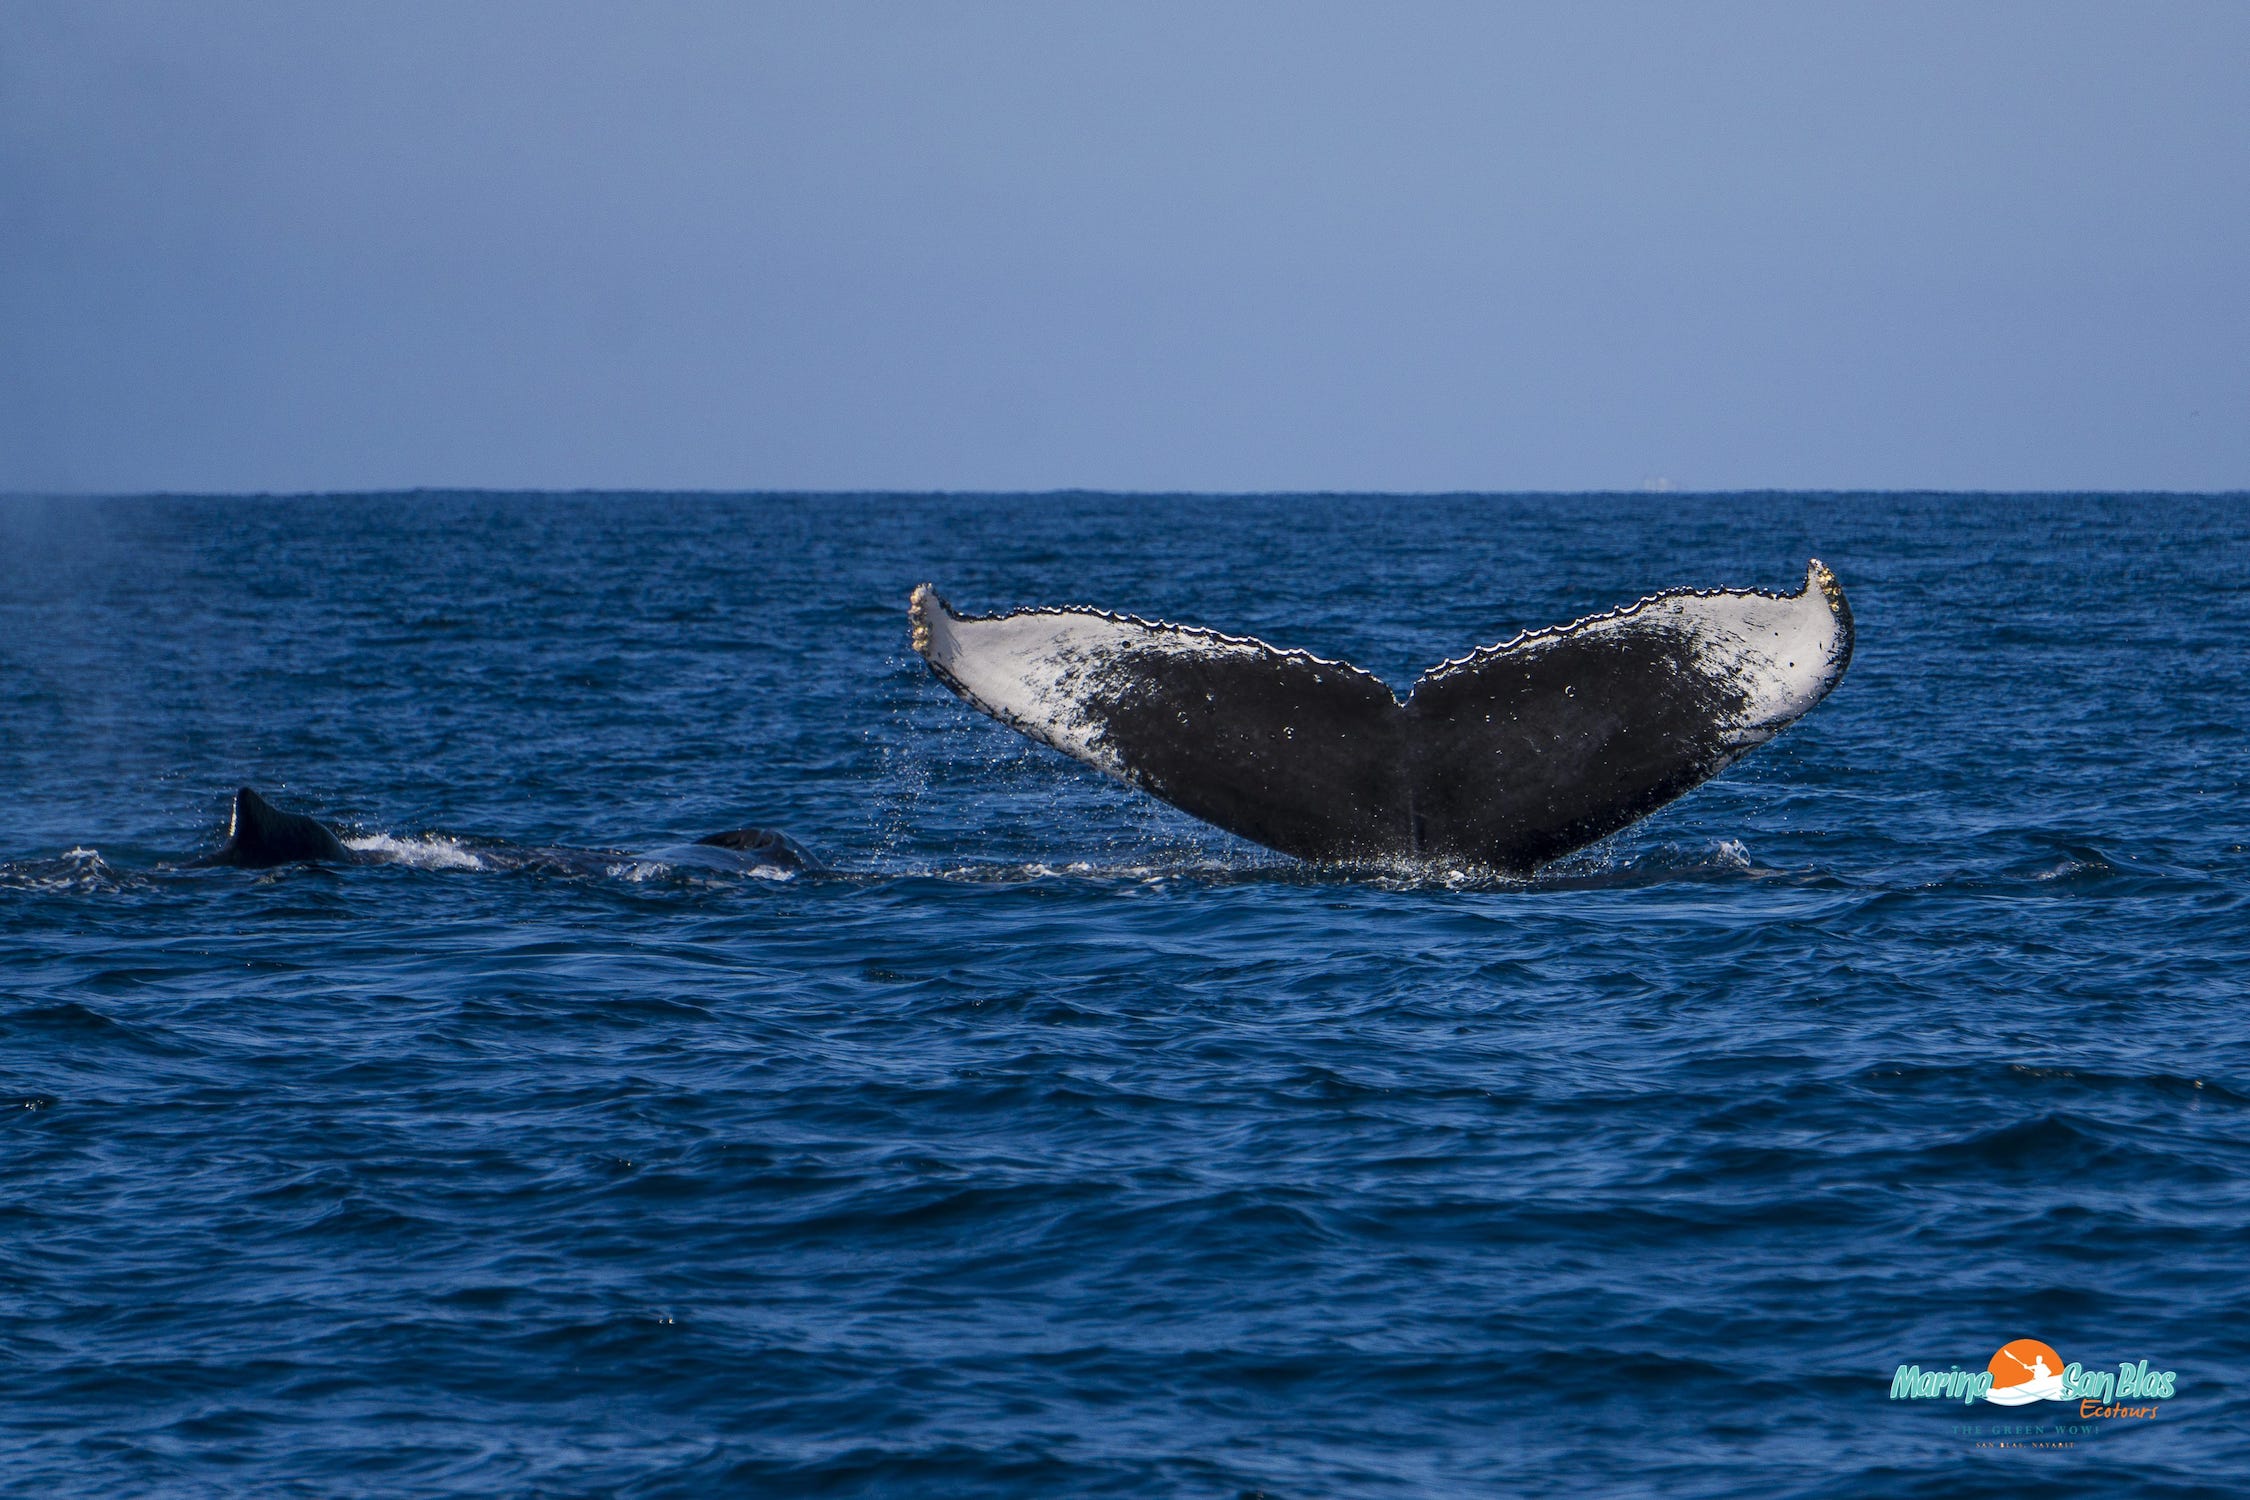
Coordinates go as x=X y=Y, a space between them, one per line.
x=1503 y=759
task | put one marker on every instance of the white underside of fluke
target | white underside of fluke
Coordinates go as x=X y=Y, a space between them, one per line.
x=1032 y=669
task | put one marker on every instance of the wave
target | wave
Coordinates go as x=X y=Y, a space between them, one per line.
x=2000 y=862
x=74 y=872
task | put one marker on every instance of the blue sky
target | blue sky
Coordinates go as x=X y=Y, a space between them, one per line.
x=1128 y=246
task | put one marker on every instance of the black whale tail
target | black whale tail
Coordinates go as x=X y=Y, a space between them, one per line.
x=262 y=835
x=1502 y=759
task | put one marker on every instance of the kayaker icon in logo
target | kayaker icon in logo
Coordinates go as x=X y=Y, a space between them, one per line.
x=2025 y=1371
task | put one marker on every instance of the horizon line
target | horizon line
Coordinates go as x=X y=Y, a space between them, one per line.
x=1088 y=492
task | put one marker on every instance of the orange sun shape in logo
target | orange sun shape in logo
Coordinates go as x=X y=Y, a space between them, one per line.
x=2029 y=1366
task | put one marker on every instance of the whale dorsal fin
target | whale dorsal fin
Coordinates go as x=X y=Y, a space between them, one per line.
x=262 y=835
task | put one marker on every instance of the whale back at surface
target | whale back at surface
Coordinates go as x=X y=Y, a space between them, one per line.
x=260 y=836
x=767 y=846
x=1502 y=759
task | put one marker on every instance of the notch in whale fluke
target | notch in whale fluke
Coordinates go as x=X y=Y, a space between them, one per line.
x=1502 y=759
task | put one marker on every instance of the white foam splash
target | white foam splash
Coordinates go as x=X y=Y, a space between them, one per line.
x=431 y=852
x=76 y=871
x=638 y=871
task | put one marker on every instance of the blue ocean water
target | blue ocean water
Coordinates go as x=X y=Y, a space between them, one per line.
x=1054 y=1144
